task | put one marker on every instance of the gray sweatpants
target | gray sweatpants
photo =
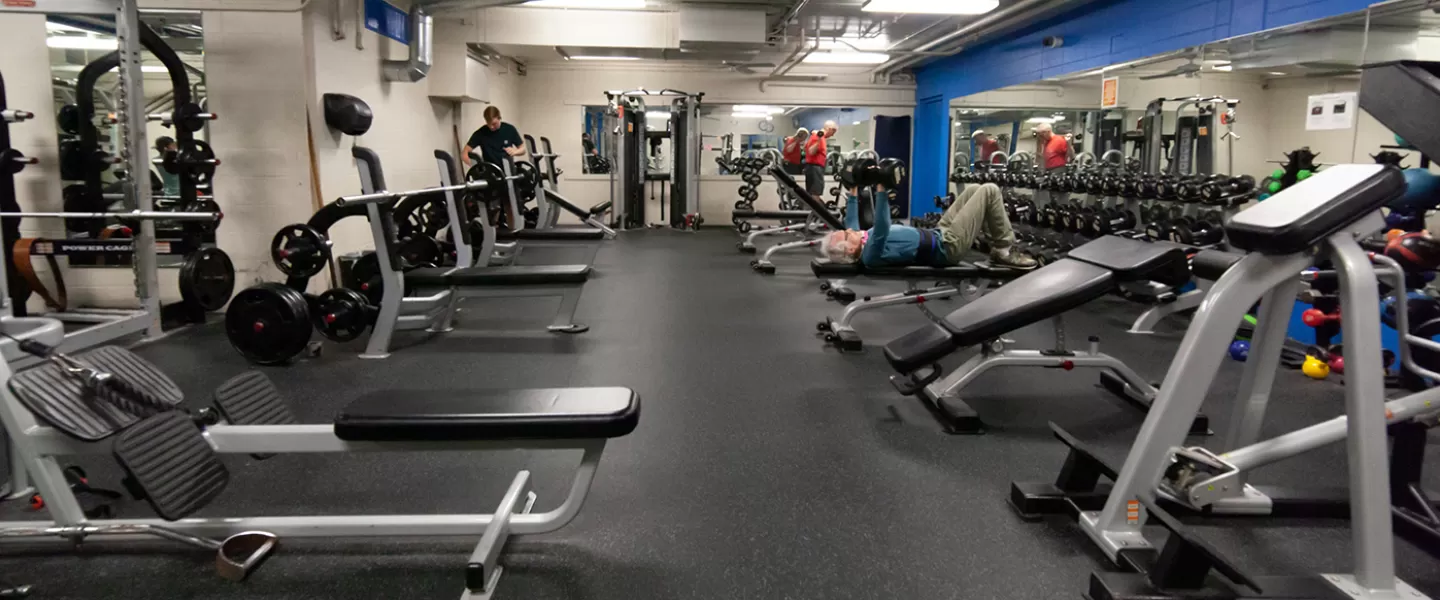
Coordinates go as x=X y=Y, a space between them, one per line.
x=979 y=208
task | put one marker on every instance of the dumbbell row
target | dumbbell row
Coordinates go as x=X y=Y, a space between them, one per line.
x=1152 y=223
x=1209 y=189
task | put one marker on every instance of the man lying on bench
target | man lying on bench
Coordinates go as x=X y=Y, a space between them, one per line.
x=979 y=208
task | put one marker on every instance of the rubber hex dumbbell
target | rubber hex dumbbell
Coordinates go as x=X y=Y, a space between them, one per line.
x=1111 y=221
x=1204 y=230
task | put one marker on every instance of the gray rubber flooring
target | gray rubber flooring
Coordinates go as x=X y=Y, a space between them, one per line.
x=765 y=465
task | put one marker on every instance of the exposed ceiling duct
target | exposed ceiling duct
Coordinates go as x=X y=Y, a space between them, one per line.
x=422 y=38
x=1018 y=14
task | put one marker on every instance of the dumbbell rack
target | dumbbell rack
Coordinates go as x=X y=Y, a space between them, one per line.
x=1187 y=210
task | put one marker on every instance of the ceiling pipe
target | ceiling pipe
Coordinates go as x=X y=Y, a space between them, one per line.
x=785 y=19
x=918 y=33
x=776 y=71
x=976 y=29
x=422 y=36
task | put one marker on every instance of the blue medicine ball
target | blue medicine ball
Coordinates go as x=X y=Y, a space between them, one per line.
x=1422 y=192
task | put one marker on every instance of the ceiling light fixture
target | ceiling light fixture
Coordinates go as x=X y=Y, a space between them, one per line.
x=847 y=58
x=1278 y=73
x=879 y=42
x=932 y=7
x=75 y=42
x=757 y=108
x=1224 y=68
x=1040 y=120
x=594 y=4
x=855 y=123
x=604 y=58
x=750 y=115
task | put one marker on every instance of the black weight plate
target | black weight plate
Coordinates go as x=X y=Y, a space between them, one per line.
x=420 y=251
x=203 y=205
x=190 y=161
x=268 y=324
x=300 y=250
x=365 y=277
x=207 y=278
x=342 y=314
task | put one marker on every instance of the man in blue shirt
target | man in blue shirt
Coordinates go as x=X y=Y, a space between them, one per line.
x=495 y=140
x=979 y=208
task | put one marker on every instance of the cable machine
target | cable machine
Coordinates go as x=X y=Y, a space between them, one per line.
x=625 y=122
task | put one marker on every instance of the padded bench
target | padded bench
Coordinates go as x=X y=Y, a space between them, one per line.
x=825 y=269
x=498 y=276
x=553 y=234
x=789 y=215
x=1091 y=271
x=460 y=415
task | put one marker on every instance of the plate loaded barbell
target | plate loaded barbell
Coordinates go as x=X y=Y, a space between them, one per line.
x=192 y=160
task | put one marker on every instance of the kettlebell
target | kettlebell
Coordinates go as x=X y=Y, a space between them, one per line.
x=1337 y=364
x=1315 y=368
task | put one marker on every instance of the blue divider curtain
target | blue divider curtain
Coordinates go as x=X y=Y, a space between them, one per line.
x=892 y=140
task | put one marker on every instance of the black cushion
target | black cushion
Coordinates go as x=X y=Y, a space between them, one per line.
x=785 y=180
x=553 y=234
x=498 y=276
x=566 y=204
x=347 y=114
x=797 y=215
x=452 y=415
x=1135 y=260
x=1211 y=264
x=1045 y=292
x=825 y=269
x=1301 y=216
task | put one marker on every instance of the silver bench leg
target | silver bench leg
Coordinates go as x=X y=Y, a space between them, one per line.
x=1145 y=324
x=483 y=572
x=565 y=318
x=786 y=247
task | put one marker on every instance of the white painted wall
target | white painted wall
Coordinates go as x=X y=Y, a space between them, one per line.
x=1286 y=105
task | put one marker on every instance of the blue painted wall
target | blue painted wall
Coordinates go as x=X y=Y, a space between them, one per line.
x=1100 y=34
x=814 y=118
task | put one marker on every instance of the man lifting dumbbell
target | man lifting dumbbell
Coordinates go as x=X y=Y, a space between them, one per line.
x=815 y=157
x=979 y=208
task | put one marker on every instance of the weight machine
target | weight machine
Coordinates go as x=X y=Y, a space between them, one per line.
x=625 y=120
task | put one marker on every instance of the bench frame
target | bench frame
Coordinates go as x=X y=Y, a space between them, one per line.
x=436 y=312
x=40 y=447
x=841 y=332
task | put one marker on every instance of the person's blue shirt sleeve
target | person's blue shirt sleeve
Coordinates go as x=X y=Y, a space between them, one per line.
x=880 y=233
x=852 y=211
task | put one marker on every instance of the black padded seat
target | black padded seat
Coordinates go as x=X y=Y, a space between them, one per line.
x=553 y=234
x=1305 y=214
x=1135 y=260
x=474 y=415
x=1047 y=291
x=825 y=269
x=498 y=276
x=1211 y=264
x=796 y=215
x=825 y=214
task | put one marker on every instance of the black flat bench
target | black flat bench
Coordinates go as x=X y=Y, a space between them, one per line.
x=795 y=215
x=461 y=415
x=825 y=269
x=580 y=233
x=498 y=276
x=1211 y=264
x=1091 y=271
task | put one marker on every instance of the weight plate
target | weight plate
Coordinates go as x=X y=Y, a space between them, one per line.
x=203 y=205
x=207 y=278
x=365 y=277
x=192 y=160
x=420 y=251
x=300 y=250
x=268 y=324
x=342 y=314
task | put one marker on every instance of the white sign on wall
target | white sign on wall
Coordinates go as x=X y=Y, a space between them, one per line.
x=1331 y=111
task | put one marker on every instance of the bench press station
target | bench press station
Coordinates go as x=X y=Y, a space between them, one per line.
x=75 y=406
x=1089 y=272
x=436 y=311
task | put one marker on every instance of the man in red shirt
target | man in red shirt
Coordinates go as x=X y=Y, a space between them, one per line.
x=1054 y=154
x=794 y=151
x=815 y=155
x=985 y=146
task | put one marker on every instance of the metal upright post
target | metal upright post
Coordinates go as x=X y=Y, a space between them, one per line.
x=131 y=105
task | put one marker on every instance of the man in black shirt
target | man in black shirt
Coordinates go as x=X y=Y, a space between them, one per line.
x=495 y=140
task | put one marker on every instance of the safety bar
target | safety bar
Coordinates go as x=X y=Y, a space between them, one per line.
x=165 y=118
x=15 y=116
x=377 y=197
x=140 y=215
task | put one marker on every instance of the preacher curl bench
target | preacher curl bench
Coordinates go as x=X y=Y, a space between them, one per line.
x=1089 y=272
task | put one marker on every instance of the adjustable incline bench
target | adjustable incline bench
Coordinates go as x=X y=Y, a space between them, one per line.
x=1089 y=272
x=550 y=199
x=69 y=406
x=435 y=312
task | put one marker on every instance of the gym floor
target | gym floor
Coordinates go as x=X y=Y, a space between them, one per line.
x=765 y=464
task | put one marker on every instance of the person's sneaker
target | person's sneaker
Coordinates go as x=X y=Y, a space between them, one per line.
x=1014 y=260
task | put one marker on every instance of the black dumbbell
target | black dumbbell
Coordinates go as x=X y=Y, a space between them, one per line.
x=1204 y=230
x=1112 y=220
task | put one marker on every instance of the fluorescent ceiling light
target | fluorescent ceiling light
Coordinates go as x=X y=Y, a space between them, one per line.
x=75 y=42
x=1040 y=120
x=604 y=58
x=855 y=123
x=847 y=58
x=757 y=108
x=1280 y=73
x=932 y=7
x=750 y=115
x=143 y=68
x=1224 y=68
x=598 y=4
x=879 y=42
x=63 y=28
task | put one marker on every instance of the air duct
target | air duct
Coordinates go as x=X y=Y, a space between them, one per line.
x=422 y=33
